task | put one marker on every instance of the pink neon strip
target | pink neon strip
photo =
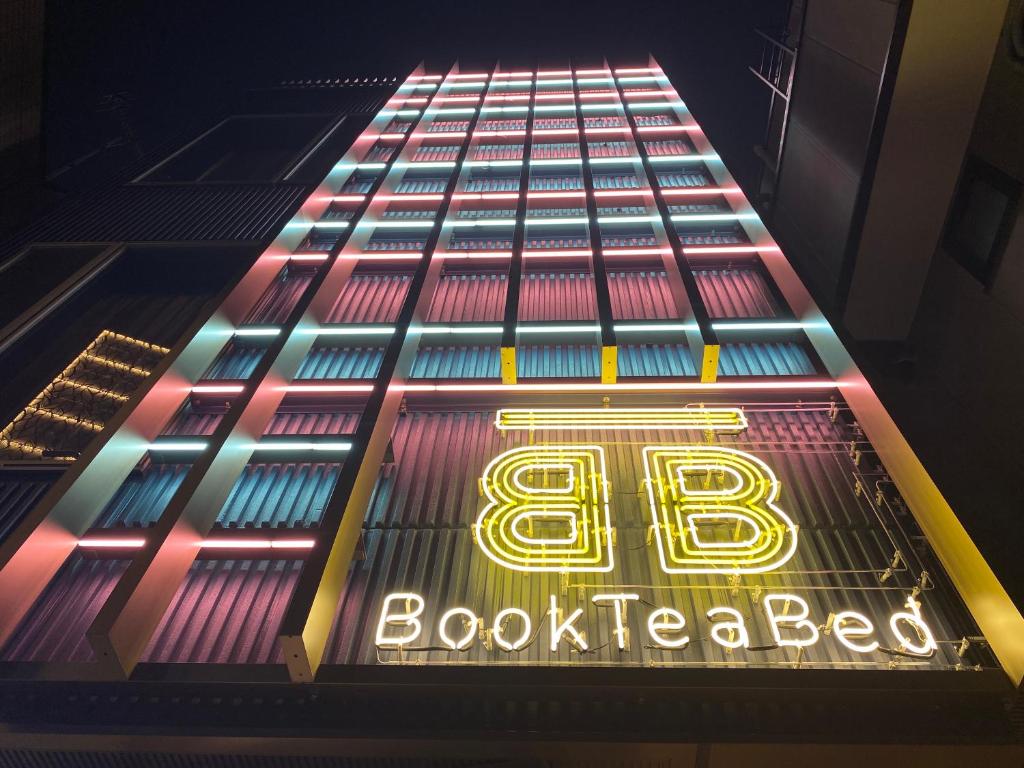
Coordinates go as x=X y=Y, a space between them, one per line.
x=307 y=257
x=614 y=129
x=696 y=191
x=204 y=389
x=391 y=136
x=636 y=251
x=328 y=388
x=473 y=255
x=497 y=75
x=414 y=197
x=667 y=128
x=520 y=132
x=555 y=73
x=622 y=192
x=555 y=132
x=424 y=77
x=598 y=95
x=542 y=252
x=668 y=386
x=637 y=71
x=348 y=198
x=409 y=100
x=484 y=76
x=486 y=196
x=593 y=71
x=508 y=97
x=699 y=249
x=382 y=256
x=126 y=543
x=456 y=99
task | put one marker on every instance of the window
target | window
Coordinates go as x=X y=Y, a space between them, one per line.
x=981 y=217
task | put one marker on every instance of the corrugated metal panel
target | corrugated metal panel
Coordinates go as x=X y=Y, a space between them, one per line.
x=640 y=296
x=19 y=493
x=226 y=612
x=236 y=361
x=279 y=495
x=772 y=359
x=54 y=629
x=186 y=422
x=333 y=423
x=557 y=296
x=341 y=363
x=373 y=298
x=558 y=361
x=735 y=293
x=656 y=360
x=143 y=496
x=153 y=213
x=468 y=298
x=279 y=298
x=463 y=362
x=418 y=539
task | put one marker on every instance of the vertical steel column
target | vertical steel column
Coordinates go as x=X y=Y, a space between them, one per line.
x=310 y=614
x=609 y=347
x=124 y=625
x=509 y=368
x=703 y=343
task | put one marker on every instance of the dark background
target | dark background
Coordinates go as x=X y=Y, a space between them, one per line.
x=120 y=78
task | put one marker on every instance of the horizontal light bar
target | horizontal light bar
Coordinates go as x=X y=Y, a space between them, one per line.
x=648 y=327
x=300 y=446
x=627 y=219
x=696 y=250
x=308 y=257
x=696 y=191
x=682 y=158
x=385 y=224
x=666 y=386
x=636 y=251
x=326 y=388
x=493 y=163
x=348 y=198
x=716 y=419
x=349 y=330
x=558 y=328
x=218 y=389
x=540 y=221
x=451 y=111
x=426 y=164
x=473 y=255
x=371 y=166
x=484 y=223
x=256 y=332
x=439 y=135
x=115 y=542
x=486 y=196
x=457 y=329
x=684 y=217
x=382 y=256
x=557 y=161
x=331 y=224
x=412 y=197
x=182 y=446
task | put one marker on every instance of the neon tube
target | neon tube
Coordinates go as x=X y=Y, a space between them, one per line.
x=456 y=329
x=683 y=158
x=668 y=386
x=439 y=135
x=473 y=255
x=696 y=250
x=413 y=197
x=136 y=543
x=327 y=388
x=636 y=251
x=182 y=446
x=352 y=330
x=218 y=389
x=695 y=191
x=684 y=217
x=542 y=252
x=304 y=446
x=348 y=198
x=622 y=192
x=381 y=256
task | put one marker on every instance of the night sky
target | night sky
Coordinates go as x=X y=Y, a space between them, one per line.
x=172 y=60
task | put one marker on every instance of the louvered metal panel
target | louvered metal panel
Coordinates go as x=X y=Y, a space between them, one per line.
x=641 y=296
x=279 y=298
x=557 y=296
x=735 y=293
x=656 y=360
x=226 y=612
x=558 y=361
x=341 y=363
x=329 y=423
x=279 y=495
x=464 y=298
x=19 y=492
x=143 y=496
x=764 y=359
x=236 y=361
x=54 y=629
x=373 y=298
x=462 y=362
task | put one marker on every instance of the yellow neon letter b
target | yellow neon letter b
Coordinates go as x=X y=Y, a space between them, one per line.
x=713 y=510
x=547 y=509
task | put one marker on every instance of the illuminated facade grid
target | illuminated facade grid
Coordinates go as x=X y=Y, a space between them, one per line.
x=524 y=382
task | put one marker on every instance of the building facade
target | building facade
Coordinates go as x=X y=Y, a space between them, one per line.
x=520 y=439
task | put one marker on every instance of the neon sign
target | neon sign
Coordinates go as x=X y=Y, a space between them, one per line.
x=711 y=509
